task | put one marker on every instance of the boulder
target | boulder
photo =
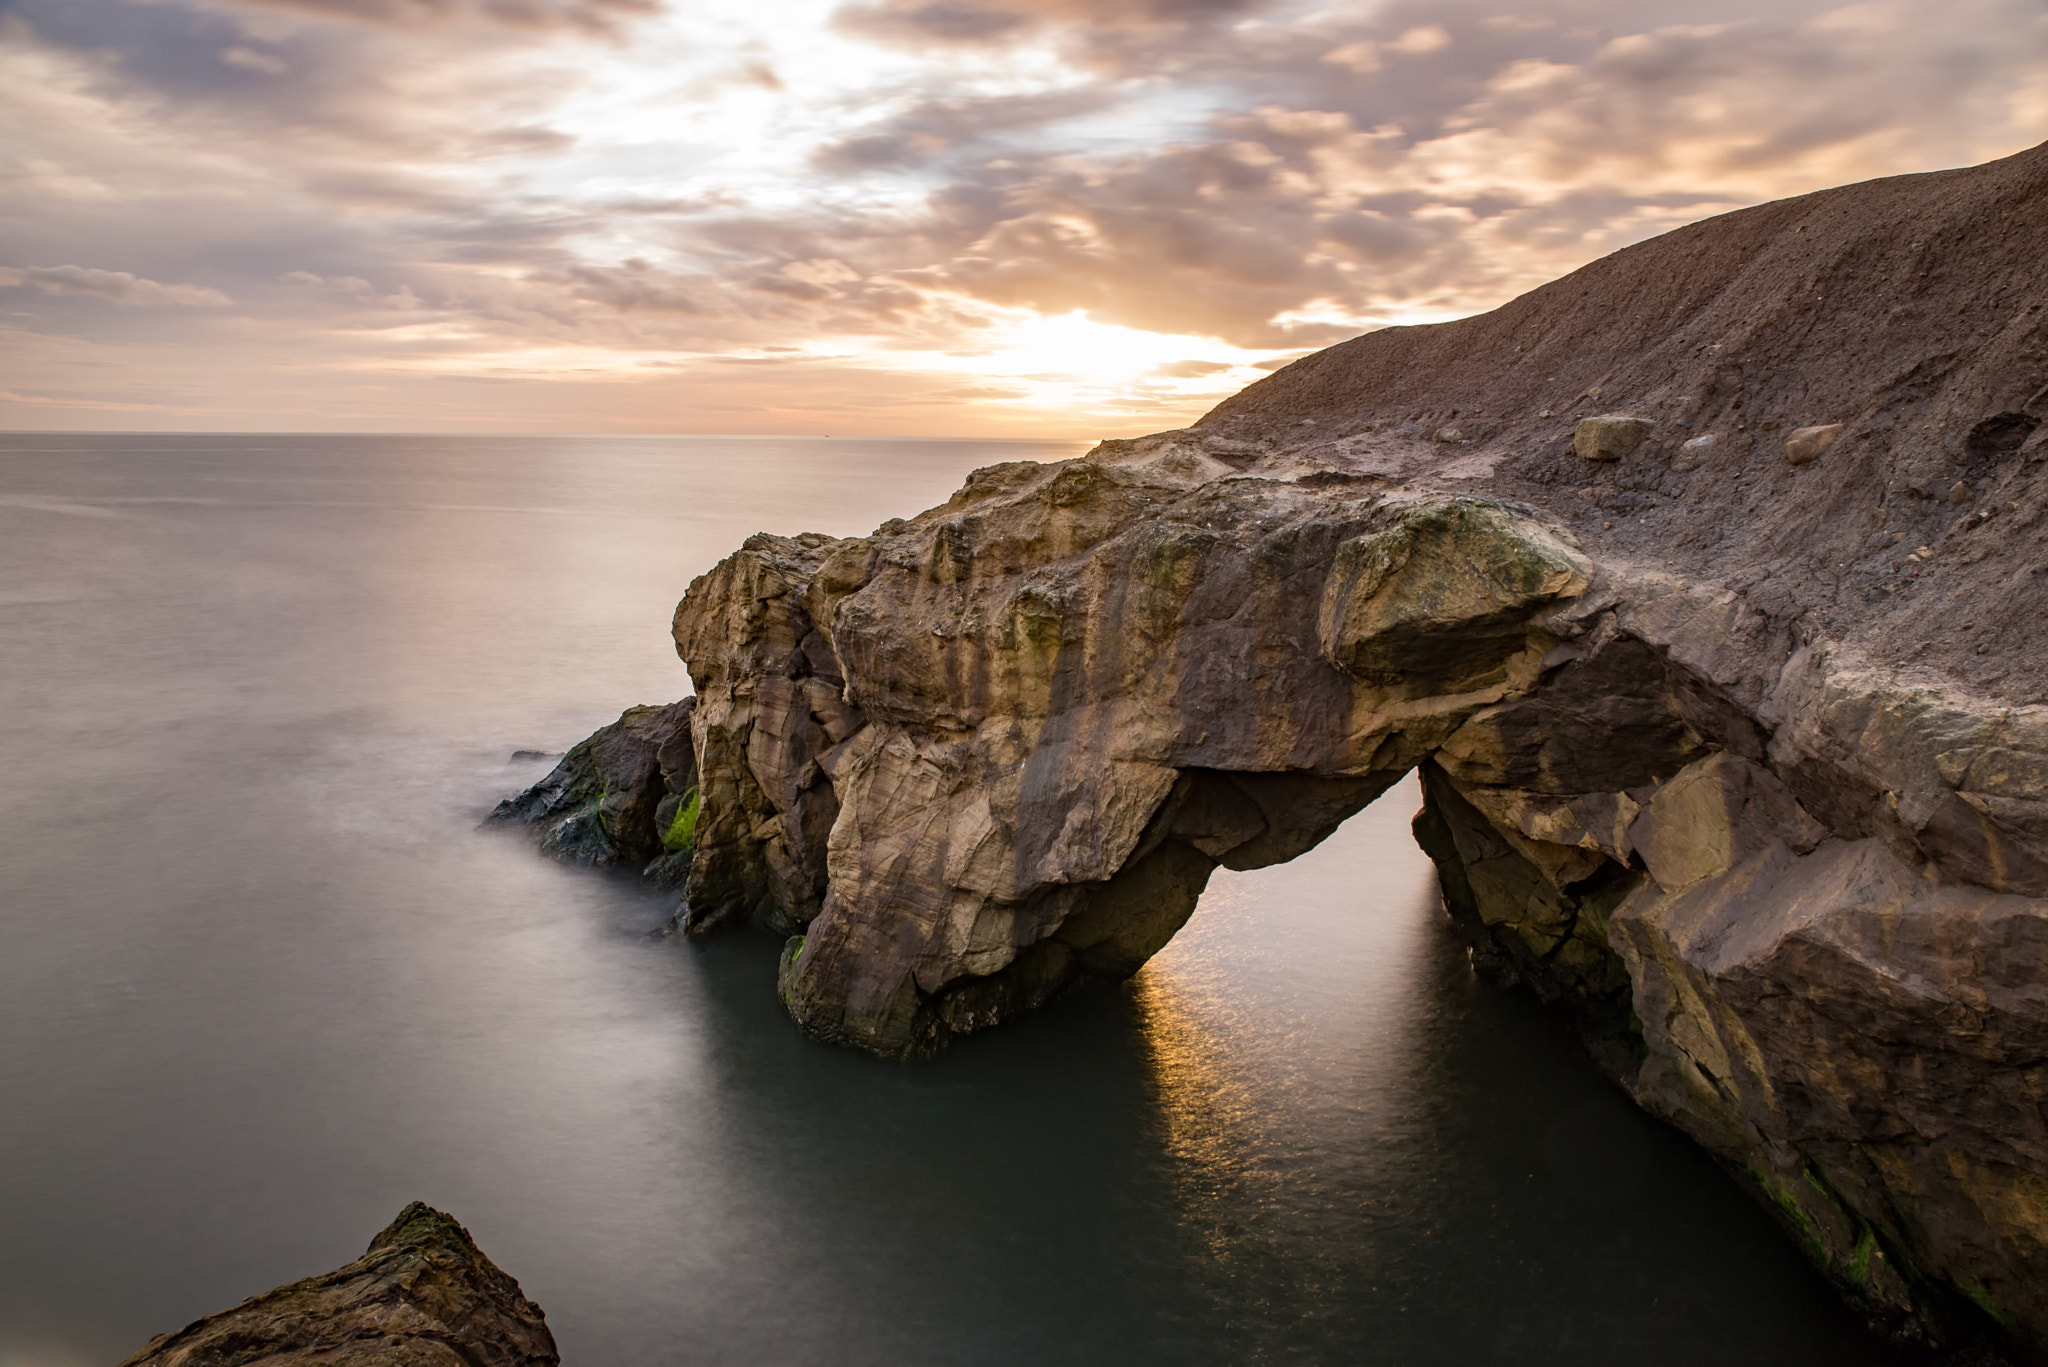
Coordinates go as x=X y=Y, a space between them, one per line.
x=1441 y=589
x=1610 y=437
x=424 y=1295
x=625 y=794
x=1804 y=445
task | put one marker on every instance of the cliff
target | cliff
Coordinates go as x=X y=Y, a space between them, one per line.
x=1705 y=589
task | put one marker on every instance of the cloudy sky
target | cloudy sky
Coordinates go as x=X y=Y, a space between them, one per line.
x=998 y=217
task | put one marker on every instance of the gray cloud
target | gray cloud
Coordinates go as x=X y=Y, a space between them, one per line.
x=1449 y=157
x=449 y=184
x=600 y=16
x=920 y=22
x=116 y=287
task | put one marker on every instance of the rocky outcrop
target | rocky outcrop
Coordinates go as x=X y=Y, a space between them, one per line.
x=625 y=795
x=1731 y=746
x=423 y=1295
x=1791 y=898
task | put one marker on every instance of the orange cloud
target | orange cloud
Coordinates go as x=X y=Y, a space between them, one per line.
x=1013 y=214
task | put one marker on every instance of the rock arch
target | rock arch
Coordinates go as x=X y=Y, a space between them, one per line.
x=1734 y=745
x=994 y=753
x=981 y=787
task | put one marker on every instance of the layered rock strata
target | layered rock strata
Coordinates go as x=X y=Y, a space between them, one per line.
x=423 y=1295
x=1732 y=748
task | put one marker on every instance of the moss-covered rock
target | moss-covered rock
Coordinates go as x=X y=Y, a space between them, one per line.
x=616 y=796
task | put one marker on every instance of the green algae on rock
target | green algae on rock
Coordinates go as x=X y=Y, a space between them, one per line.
x=616 y=796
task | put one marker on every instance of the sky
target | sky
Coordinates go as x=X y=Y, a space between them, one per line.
x=1023 y=218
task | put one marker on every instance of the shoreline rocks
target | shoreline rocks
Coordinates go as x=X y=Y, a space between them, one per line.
x=1796 y=902
x=423 y=1295
x=626 y=794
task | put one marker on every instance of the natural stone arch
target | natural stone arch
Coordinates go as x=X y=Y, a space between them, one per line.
x=1730 y=731
x=1022 y=781
x=1043 y=769
x=994 y=753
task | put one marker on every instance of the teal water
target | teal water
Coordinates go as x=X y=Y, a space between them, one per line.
x=262 y=981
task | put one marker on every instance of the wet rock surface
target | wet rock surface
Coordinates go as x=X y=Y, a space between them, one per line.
x=625 y=795
x=423 y=1295
x=1738 y=759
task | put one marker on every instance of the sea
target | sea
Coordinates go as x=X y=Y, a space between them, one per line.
x=263 y=980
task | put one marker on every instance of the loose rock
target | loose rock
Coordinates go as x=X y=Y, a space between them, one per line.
x=1610 y=437
x=1804 y=445
x=616 y=796
x=1692 y=454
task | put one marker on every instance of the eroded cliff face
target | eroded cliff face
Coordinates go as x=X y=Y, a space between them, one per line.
x=1681 y=777
x=993 y=754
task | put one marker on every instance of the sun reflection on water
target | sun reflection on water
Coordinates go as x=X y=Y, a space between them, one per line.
x=1286 y=1045
x=1214 y=1123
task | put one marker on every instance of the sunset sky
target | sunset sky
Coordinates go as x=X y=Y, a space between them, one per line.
x=1063 y=218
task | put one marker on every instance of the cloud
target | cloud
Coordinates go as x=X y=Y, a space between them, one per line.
x=599 y=16
x=251 y=60
x=921 y=22
x=116 y=287
x=389 y=190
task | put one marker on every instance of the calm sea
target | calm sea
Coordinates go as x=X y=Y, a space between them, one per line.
x=262 y=981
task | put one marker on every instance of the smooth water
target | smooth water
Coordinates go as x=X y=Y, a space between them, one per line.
x=262 y=981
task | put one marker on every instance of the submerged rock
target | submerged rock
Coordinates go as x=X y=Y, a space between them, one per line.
x=424 y=1295
x=626 y=794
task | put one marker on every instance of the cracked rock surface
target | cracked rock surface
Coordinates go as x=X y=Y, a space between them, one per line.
x=1736 y=752
x=423 y=1295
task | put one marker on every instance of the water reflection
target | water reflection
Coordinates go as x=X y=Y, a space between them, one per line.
x=261 y=982
x=1211 y=1125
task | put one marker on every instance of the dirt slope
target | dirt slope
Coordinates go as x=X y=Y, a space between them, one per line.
x=1914 y=310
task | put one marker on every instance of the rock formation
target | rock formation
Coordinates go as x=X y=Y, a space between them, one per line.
x=423 y=1295
x=626 y=794
x=1731 y=746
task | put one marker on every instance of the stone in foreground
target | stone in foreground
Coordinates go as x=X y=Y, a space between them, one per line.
x=423 y=1295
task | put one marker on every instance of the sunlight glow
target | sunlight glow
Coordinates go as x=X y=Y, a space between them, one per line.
x=1080 y=219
